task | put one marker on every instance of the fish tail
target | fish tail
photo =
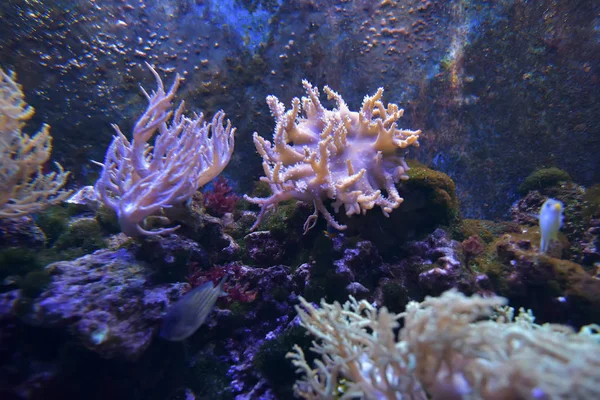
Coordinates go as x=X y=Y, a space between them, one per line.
x=220 y=286
x=224 y=280
x=543 y=245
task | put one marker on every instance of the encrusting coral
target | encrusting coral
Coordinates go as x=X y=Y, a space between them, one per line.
x=24 y=188
x=139 y=180
x=446 y=349
x=350 y=157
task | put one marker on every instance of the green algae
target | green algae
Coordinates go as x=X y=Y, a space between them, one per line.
x=485 y=229
x=395 y=297
x=543 y=178
x=34 y=283
x=439 y=190
x=84 y=233
x=271 y=360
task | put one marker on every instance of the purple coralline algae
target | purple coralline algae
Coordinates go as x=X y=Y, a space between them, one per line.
x=242 y=330
x=263 y=249
x=434 y=265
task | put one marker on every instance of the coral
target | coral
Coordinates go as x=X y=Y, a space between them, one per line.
x=445 y=349
x=349 y=157
x=139 y=180
x=430 y=201
x=24 y=188
x=220 y=199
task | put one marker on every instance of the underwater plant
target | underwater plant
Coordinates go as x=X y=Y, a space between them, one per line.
x=349 y=157
x=139 y=180
x=24 y=187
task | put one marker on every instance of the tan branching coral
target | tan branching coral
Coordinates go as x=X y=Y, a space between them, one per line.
x=350 y=157
x=139 y=180
x=446 y=349
x=359 y=353
x=24 y=188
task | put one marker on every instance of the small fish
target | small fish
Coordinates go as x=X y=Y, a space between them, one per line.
x=331 y=232
x=185 y=317
x=551 y=219
x=330 y=235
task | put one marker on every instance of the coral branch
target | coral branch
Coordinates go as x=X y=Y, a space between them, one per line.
x=24 y=188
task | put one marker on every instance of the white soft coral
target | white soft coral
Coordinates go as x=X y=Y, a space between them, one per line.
x=350 y=157
x=139 y=180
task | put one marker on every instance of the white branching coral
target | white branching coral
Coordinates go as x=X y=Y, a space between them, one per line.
x=349 y=157
x=139 y=180
x=24 y=188
x=359 y=354
x=445 y=350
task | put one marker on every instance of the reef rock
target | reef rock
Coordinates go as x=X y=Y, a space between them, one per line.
x=581 y=218
x=441 y=267
x=429 y=267
x=106 y=301
x=264 y=249
x=21 y=231
x=558 y=291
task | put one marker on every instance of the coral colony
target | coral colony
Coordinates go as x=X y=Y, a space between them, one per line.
x=346 y=156
x=411 y=306
x=24 y=188
x=343 y=155
x=444 y=350
x=139 y=180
